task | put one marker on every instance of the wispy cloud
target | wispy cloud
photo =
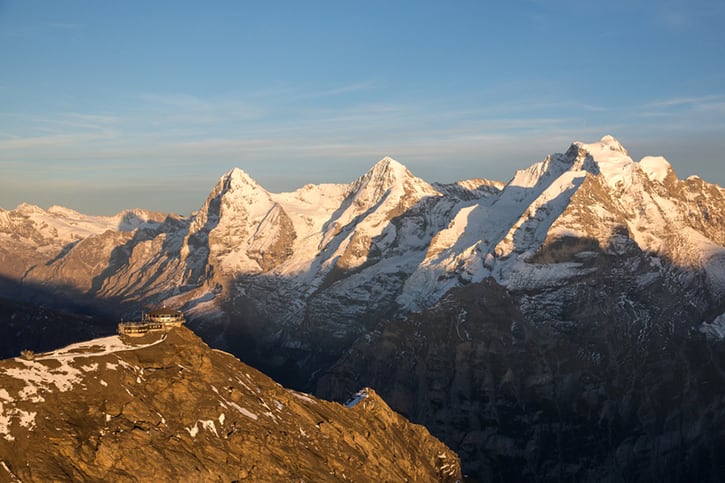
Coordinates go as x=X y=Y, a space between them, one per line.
x=691 y=102
x=35 y=142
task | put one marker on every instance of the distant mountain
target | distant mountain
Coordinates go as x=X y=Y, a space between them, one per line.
x=586 y=245
x=166 y=407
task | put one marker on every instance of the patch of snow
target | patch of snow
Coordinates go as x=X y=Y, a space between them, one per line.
x=95 y=348
x=5 y=418
x=40 y=375
x=30 y=393
x=245 y=386
x=221 y=419
x=224 y=352
x=302 y=396
x=127 y=366
x=26 y=419
x=90 y=368
x=242 y=410
x=193 y=430
x=209 y=425
x=245 y=411
x=13 y=478
x=716 y=329
x=357 y=398
x=103 y=383
x=655 y=167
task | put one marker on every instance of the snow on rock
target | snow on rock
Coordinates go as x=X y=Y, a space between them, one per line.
x=612 y=161
x=593 y=192
x=357 y=398
x=386 y=191
x=655 y=167
x=716 y=329
x=302 y=396
x=56 y=370
x=12 y=477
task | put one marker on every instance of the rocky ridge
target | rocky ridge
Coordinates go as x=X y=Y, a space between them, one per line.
x=167 y=407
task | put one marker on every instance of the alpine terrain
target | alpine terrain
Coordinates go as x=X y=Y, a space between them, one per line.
x=166 y=407
x=566 y=325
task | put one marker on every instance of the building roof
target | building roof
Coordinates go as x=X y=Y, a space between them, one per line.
x=164 y=311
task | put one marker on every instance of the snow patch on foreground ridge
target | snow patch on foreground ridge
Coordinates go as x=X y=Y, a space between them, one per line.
x=53 y=371
x=357 y=398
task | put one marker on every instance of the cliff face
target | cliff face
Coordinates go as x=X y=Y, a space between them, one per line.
x=594 y=398
x=166 y=407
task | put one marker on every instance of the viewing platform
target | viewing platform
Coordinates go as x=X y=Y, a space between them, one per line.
x=156 y=320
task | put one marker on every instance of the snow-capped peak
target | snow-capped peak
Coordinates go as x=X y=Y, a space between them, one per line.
x=606 y=149
x=237 y=178
x=611 y=159
x=388 y=163
x=611 y=143
x=237 y=185
x=385 y=176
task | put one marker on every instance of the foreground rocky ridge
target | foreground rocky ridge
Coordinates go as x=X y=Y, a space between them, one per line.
x=166 y=407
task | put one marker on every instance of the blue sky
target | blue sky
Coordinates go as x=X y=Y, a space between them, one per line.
x=107 y=105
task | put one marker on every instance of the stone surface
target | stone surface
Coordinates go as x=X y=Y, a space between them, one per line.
x=598 y=398
x=166 y=407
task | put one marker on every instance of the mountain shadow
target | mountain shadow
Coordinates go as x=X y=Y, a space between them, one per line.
x=40 y=317
x=602 y=379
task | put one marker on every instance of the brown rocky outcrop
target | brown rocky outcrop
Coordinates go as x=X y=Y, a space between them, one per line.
x=166 y=407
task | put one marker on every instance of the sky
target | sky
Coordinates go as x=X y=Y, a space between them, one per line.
x=107 y=105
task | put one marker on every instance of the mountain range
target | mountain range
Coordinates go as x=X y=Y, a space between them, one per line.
x=567 y=324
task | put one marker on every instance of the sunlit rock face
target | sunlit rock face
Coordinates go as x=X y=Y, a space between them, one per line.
x=167 y=407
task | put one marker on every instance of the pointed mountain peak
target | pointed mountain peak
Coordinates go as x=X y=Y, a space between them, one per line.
x=388 y=174
x=611 y=143
x=388 y=163
x=236 y=178
x=388 y=168
x=237 y=181
x=238 y=189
